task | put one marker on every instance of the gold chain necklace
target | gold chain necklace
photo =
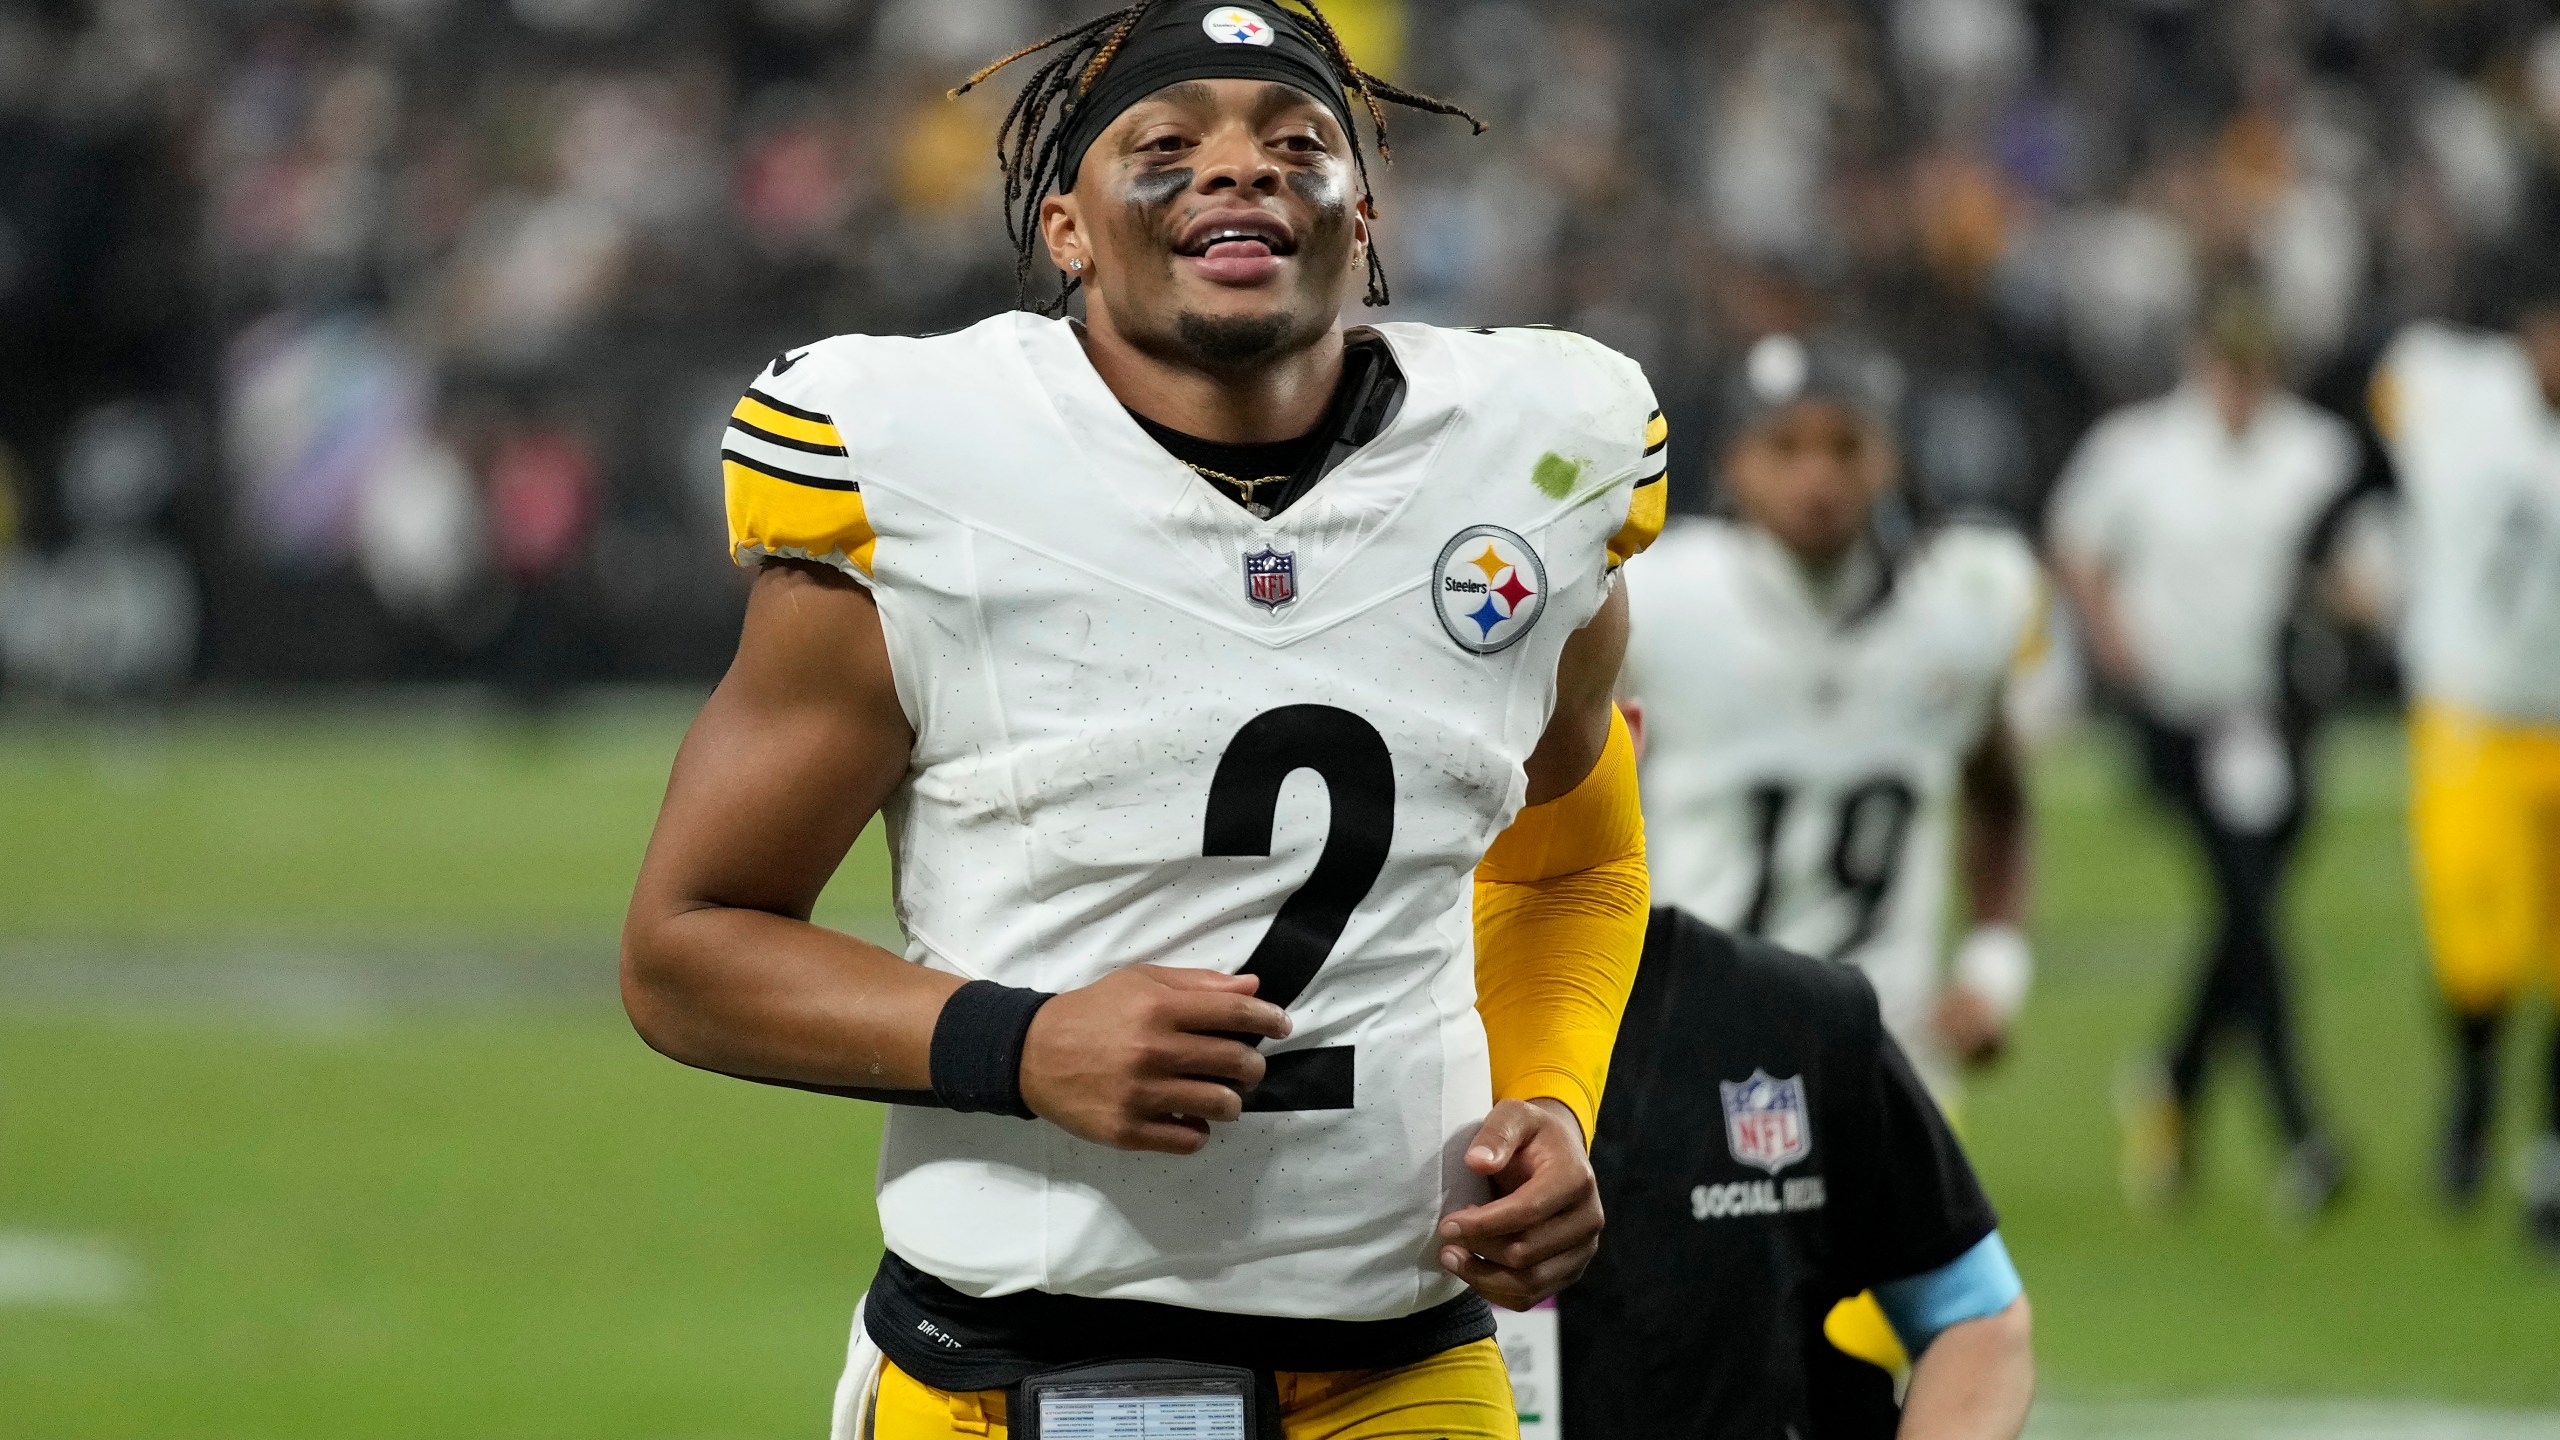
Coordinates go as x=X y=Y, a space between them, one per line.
x=1244 y=487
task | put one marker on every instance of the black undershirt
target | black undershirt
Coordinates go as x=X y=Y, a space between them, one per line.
x=1364 y=399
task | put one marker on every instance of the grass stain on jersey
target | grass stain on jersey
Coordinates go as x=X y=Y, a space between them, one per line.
x=1555 y=476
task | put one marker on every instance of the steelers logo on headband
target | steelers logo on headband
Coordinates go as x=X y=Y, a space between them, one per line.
x=1188 y=40
x=1235 y=25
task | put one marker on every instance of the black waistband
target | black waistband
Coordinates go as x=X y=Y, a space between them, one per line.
x=952 y=1341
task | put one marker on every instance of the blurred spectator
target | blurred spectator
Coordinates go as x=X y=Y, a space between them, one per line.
x=113 y=615
x=328 y=222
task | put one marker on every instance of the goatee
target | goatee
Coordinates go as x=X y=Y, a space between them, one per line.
x=1229 y=344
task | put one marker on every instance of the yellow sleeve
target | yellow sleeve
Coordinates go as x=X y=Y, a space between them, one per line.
x=1561 y=903
x=791 y=488
x=2035 y=638
x=1649 y=501
x=2382 y=402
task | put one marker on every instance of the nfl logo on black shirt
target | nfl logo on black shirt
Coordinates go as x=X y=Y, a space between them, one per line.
x=1271 y=577
x=1765 y=1121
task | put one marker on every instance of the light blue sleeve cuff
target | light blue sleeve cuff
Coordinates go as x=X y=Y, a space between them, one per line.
x=1982 y=1281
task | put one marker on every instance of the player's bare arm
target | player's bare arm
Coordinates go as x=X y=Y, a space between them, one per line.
x=794 y=753
x=1995 y=854
x=1975 y=1381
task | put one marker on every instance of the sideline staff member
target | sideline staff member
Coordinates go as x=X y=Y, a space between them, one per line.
x=2182 y=530
x=1765 y=1151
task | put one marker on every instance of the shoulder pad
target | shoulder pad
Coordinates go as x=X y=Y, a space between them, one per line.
x=1992 y=566
x=1609 y=433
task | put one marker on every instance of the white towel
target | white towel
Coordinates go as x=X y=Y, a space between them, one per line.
x=861 y=1382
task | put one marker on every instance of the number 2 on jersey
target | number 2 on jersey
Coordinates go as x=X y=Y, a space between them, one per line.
x=1874 y=822
x=1359 y=776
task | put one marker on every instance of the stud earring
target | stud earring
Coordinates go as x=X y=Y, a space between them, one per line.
x=1075 y=265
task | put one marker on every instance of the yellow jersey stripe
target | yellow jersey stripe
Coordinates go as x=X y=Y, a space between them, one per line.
x=787 y=424
x=2382 y=402
x=732 y=460
x=785 y=406
x=770 y=437
x=1647 y=506
x=1657 y=433
x=2034 y=641
x=796 y=517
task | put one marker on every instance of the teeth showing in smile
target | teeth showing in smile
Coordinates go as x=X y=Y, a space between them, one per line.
x=1236 y=243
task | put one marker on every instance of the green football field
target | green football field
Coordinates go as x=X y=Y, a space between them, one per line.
x=318 y=1116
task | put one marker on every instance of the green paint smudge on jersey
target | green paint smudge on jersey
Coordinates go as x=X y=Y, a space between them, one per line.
x=1555 y=476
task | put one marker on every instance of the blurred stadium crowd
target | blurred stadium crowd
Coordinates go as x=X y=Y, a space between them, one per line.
x=392 y=338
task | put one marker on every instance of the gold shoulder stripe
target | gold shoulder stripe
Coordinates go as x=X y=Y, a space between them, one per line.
x=1657 y=433
x=2382 y=399
x=785 y=407
x=1647 y=505
x=794 y=477
x=771 y=515
x=787 y=424
x=773 y=437
x=2035 y=639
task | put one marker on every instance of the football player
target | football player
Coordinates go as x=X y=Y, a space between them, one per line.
x=1824 y=686
x=2472 y=424
x=1235 y=691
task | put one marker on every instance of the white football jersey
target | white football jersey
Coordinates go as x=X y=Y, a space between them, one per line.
x=1799 y=771
x=2478 y=453
x=1153 y=729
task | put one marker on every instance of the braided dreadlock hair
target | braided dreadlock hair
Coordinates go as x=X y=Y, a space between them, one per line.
x=1033 y=132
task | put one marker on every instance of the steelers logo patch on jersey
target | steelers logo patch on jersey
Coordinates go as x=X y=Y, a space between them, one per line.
x=1489 y=588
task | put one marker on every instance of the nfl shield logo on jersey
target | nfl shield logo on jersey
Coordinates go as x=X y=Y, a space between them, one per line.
x=1271 y=577
x=1765 y=1121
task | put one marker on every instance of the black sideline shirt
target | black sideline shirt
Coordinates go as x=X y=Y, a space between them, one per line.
x=1765 y=1151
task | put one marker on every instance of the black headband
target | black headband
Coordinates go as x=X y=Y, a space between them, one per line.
x=1192 y=40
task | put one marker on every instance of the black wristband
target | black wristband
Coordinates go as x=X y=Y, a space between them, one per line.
x=977 y=1048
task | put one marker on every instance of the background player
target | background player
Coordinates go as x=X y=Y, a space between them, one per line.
x=1824 y=682
x=1075 y=659
x=2182 y=529
x=2469 y=419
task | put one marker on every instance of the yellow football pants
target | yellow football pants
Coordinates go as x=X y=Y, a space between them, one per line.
x=2484 y=821
x=1459 y=1394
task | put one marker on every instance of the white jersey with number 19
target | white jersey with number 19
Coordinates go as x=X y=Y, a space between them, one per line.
x=1154 y=729
x=1800 y=766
